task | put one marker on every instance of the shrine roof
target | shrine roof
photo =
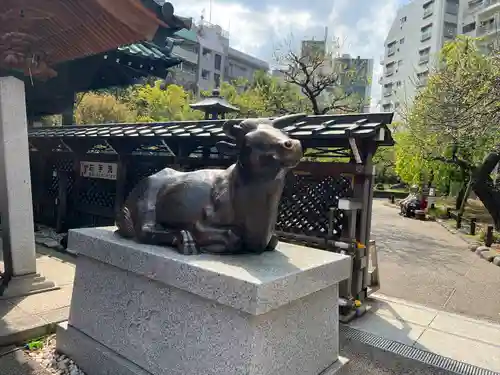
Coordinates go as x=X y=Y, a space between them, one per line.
x=146 y=50
x=331 y=129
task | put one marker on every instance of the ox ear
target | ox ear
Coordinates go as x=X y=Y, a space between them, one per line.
x=284 y=121
x=227 y=148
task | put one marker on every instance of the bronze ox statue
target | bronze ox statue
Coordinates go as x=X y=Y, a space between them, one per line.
x=218 y=211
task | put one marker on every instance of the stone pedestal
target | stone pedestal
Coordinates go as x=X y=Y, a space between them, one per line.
x=16 y=204
x=139 y=309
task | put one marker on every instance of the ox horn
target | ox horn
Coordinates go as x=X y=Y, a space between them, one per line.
x=284 y=121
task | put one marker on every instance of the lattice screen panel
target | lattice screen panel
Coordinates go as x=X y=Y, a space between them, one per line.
x=305 y=204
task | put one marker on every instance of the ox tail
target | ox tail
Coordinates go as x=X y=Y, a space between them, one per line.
x=125 y=223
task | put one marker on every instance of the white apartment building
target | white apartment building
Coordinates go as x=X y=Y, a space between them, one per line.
x=481 y=18
x=242 y=65
x=207 y=59
x=419 y=31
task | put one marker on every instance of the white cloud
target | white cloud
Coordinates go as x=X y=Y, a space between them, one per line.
x=249 y=29
x=256 y=27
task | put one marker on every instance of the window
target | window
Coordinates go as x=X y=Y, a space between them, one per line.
x=403 y=21
x=451 y=7
x=426 y=33
x=386 y=107
x=428 y=9
x=205 y=74
x=391 y=48
x=422 y=78
x=486 y=26
x=398 y=84
x=424 y=55
x=205 y=52
x=217 y=80
x=217 y=61
x=469 y=28
x=450 y=30
x=387 y=89
x=389 y=69
x=402 y=41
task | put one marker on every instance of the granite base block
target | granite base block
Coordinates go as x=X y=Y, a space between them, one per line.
x=91 y=356
x=275 y=313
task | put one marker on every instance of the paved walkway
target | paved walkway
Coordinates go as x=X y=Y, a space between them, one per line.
x=423 y=263
x=450 y=335
x=35 y=315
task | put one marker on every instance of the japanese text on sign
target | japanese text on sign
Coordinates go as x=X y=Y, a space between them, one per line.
x=92 y=169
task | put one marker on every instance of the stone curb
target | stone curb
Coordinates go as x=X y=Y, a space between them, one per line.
x=456 y=232
x=487 y=253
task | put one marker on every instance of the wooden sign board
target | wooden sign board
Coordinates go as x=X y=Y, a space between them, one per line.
x=105 y=171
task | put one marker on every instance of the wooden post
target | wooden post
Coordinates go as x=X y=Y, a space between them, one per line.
x=488 y=239
x=473 y=226
x=62 y=201
x=121 y=181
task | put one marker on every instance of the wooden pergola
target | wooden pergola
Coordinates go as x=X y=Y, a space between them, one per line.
x=35 y=37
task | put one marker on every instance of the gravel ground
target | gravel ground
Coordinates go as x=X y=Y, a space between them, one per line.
x=55 y=363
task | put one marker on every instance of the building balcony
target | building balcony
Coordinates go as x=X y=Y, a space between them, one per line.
x=422 y=81
x=474 y=5
x=426 y=36
x=389 y=72
x=391 y=51
x=423 y=59
x=428 y=12
x=186 y=55
x=488 y=7
x=387 y=93
x=487 y=29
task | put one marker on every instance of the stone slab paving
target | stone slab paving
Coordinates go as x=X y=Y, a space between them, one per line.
x=35 y=315
x=424 y=263
x=464 y=339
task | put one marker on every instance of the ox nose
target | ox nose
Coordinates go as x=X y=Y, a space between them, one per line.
x=288 y=144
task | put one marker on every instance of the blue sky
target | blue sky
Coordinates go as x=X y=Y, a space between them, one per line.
x=258 y=27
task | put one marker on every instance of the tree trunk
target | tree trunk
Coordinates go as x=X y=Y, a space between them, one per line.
x=485 y=189
x=465 y=198
x=461 y=194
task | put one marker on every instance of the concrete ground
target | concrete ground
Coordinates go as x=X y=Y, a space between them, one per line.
x=37 y=314
x=423 y=263
x=464 y=339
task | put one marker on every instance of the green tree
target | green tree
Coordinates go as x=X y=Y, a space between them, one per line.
x=153 y=103
x=455 y=118
x=95 y=108
x=279 y=96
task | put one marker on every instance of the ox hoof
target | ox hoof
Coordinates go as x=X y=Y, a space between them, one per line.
x=273 y=242
x=186 y=244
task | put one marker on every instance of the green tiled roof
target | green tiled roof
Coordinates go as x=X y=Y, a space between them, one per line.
x=144 y=50
x=187 y=35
